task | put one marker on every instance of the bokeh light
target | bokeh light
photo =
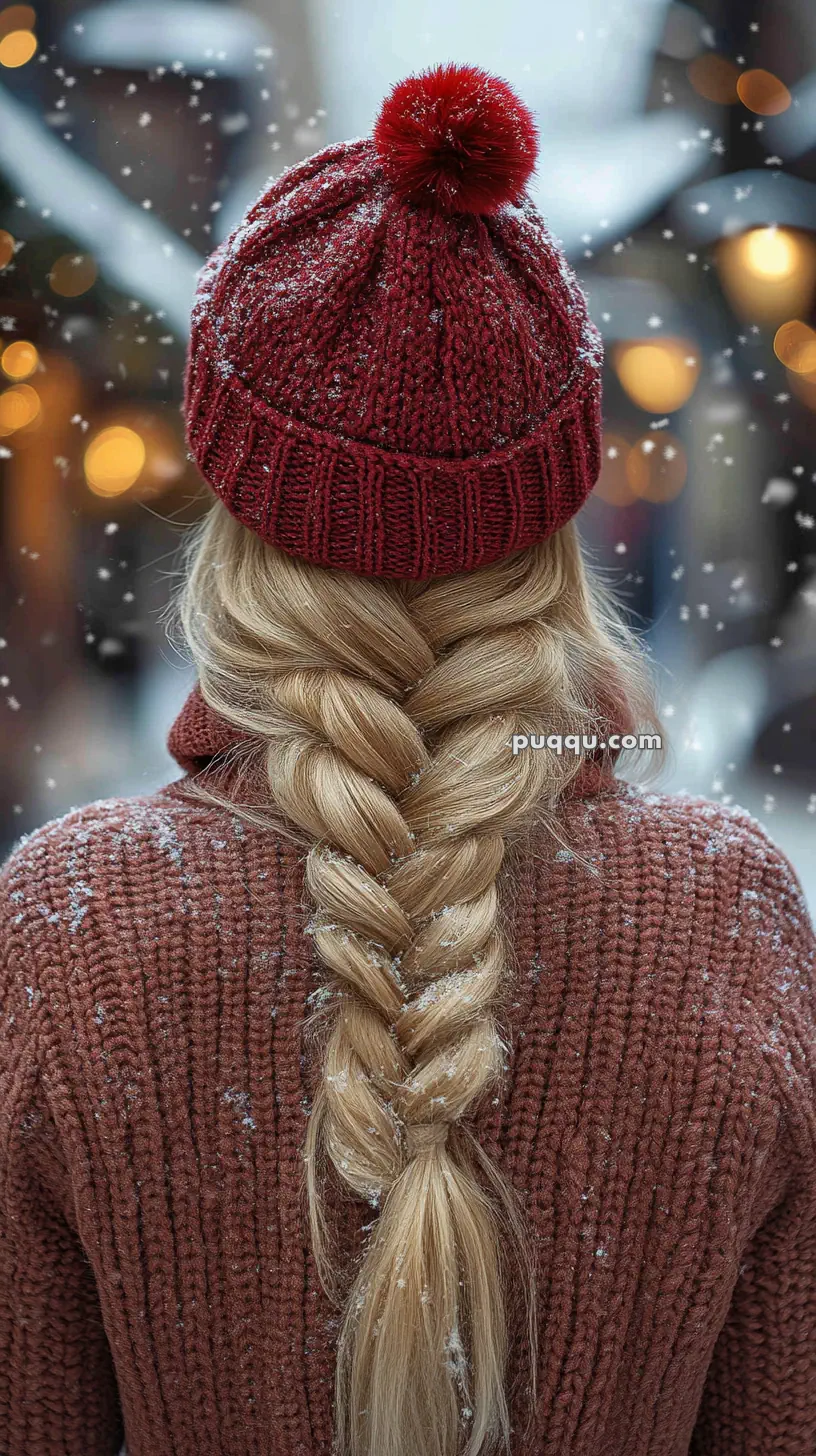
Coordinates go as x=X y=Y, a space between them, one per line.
x=715 y=78
x=768 y=273
x=770 y=252
x=656 y=468
x=659 y=375
x=763 y=93
x=19 y=406
x=19 y=359
x=6 y=248
x=613 y=485
x=17 y=47
x=17 y=17
x=795 y=346
x=72 y=274
x=114 y=460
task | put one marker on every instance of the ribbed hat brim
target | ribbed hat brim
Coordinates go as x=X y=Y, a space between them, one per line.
x=347 y=505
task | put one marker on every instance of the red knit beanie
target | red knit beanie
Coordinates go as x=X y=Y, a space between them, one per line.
x=391 y=367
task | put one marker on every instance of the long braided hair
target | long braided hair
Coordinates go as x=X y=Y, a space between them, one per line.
x=383 y=713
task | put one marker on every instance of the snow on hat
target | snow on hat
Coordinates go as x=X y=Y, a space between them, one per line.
x=391 y=367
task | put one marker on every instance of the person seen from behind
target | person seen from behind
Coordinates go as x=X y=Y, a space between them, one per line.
x=373 y=1089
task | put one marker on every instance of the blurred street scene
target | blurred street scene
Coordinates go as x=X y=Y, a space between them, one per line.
x=677 y=166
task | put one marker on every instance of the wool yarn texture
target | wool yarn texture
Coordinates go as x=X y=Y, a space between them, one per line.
x=391 y=368
x=392 y=371
x=658 y=1119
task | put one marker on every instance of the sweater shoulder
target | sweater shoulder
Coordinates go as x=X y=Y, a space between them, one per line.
x=62 y=878
x=709 y=889
x=709 y=829
x=124 y=902
x=709 y=871
x=86 y=832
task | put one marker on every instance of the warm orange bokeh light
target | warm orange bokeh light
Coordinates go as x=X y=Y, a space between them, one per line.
x=135 y=452
x=795 y=346
x=656 y=468
x=17 y=17
x=17 y=47
x=114 y=460
x=770 y=252
x=19 y=359
x=763 y=93
x=658 y=374
x=19 y=406
x=72 y=274
x=714 y=77
x=6 y=247
x=768 y=273
x=612 y=485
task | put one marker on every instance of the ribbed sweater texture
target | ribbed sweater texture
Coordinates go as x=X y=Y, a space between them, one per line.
x=657 y=1116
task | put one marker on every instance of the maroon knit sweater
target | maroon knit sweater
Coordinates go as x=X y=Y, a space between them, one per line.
x=658 y=1117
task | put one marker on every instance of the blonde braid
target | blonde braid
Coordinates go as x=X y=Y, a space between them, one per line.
x=386 y=710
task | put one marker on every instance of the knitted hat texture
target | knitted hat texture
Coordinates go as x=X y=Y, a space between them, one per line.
x=391 y=367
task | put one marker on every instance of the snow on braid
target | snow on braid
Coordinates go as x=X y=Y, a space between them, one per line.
x=381 y=714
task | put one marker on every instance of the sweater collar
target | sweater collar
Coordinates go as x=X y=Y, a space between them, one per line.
x=199 y=734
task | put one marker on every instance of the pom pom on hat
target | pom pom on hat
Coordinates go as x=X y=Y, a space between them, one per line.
x=456 y=138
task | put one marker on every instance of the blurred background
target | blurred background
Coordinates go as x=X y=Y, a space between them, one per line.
x=678 y=168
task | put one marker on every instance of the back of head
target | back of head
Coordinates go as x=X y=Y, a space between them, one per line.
x=394 y=389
